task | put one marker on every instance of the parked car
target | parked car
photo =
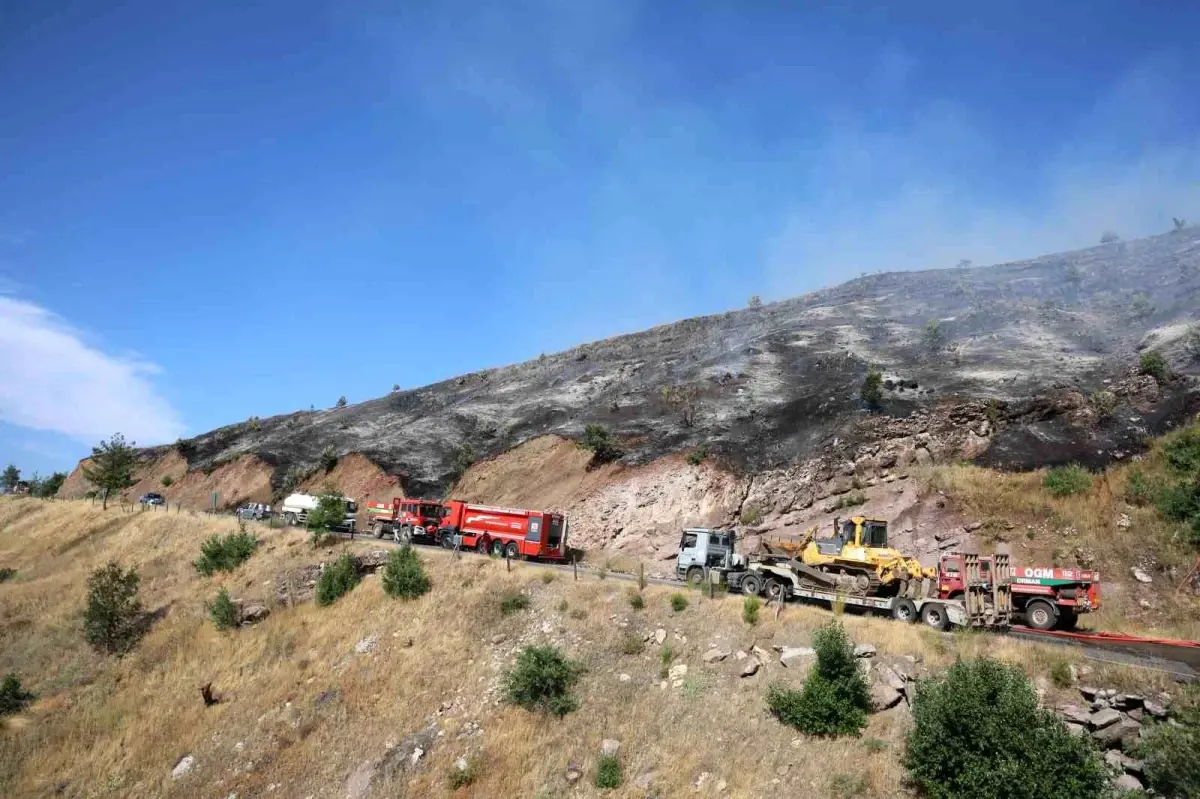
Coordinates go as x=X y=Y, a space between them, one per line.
x=152 y=499
x=255 y=511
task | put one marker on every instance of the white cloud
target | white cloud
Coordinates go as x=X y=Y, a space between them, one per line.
x=50 y=379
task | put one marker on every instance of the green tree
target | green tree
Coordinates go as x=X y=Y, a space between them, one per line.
x=835 y=699
x=1169 y=750
x=932 y=335
x=112 y=622
x=13 y=697
x=1109 y=237
x=1063 y=481
x=337 y=580
x=111 y=469
x=329 y=513
x=167 y=481
x=979 y=732
x=341 y=403
x=225 y=553
x=223 y=612
x=543 y=680
x=50 y=485
x=12 y=476
x=329 y=458
x=597 y=439
x=872 y=389
x=404 y=575
x=1154 y=364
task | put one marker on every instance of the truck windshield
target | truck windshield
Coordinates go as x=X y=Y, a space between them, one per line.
x=431 y=509
x=351 y=506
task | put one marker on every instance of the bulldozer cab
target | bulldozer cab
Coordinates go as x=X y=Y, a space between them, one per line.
x=858 y=531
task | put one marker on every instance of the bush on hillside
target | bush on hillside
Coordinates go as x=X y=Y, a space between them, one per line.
x=750 y=607
x=542 y=680
x=1169 y=751
x=223 y=612
x=404 y=575
x=978 y=732
x=679 y=602
x=1137 y=488
x=13 y=697
x=872 y=389
x=225 y=553
x=636 y=600
x=329 y=513
x=514 y=601
x=167 y=481
x=112 y=621
x=329 y=459
x=337 y=580
x=608 y=770
x=597 y=439
x=7 y=573
x=835 y=698
x=1183 y=453
x=1154 y=364
x=697 y=456
x=1063 y=481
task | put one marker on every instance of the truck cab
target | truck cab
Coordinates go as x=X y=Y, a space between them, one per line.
x=701 y=549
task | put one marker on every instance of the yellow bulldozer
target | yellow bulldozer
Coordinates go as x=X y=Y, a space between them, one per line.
x=856 y=559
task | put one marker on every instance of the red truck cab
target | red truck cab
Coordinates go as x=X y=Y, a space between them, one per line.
x=406 y=519
x=507 y=532
x=1047 y=597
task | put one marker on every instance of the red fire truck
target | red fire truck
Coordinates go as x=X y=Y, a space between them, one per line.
x=405 y=519
x=1049 y=598
x=510 y=532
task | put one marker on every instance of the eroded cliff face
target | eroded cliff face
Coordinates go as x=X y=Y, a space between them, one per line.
x=1016 y=366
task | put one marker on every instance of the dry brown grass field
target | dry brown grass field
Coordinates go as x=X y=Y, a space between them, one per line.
x=303 y=714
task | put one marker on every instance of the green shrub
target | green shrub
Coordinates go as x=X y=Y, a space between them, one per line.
x=835 y=699
x=462 y=777
x=547 y=577
x=1169 y=753
x=697 y=456
x=751 y=515
x=404 y=575
x=542 y=680
x=337 y=580
x=872 y=389
x=329 y=459
x=1153 y=364
x=874 y=745
x=665 y=656
x=750 y=607
x=679 y=602
x=847 y=786
x=608 y=772
x=850 y=500
x=636 y=600
x=7 y=574
x=512 y=602
x=223 y=612
x=1137 y=488
x=979 y=732
x=1063 y=481
x=562 y=606
x=329 y=513
x=631 y=644
x=225 y=553
x=167 y=481
x=1178 y=502
x=1060 y=673
x=579 y=613
x=597 y=439
x=1183 y=453
x=113 y=621
x=13 y=697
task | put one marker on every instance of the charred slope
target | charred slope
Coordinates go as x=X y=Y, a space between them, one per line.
x=763 y=387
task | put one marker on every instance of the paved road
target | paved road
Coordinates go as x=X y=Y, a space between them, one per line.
x=1182 y=664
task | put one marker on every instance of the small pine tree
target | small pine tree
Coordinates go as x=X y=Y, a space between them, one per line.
x=755 y=301
x=112 y=622
x=329 y=513
x=600 y=442
x=13 y=697
x=404 y=575
x=167 y=481
x=750 y=607
x=608 y=772
x=979 y=732
x=338 y=579
x=225 y=553
x=542 y=680
x=111 y=467
x=12 y=476
x=223 y=612
x=329 y=459
x=1154 y=364
x=341 y=403
x=872 y=389
x=835 y=699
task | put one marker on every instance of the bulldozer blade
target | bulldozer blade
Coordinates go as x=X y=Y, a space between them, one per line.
x=816 y=575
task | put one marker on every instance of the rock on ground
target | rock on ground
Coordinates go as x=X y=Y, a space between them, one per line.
x=183 y=767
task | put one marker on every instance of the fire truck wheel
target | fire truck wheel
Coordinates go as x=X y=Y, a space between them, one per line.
x=1041 y=615
x=512 y=551
x=934 y=615
x=498 y=548
x=776 y=589
x=377 y=529
x=904 y=610
x=482 y=546
x=751 y=585
x=695 y=576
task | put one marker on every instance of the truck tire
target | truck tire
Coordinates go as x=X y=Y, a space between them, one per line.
x=498 y=548
x=934 y=615
x=377 y=529
x=1041 y=615
x=752 y=584
x=776 y=589
x=695 y=576
x=905 y=610
x=512 y=551
x=291 y=519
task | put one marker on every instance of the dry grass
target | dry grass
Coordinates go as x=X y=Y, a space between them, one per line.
x=301 y=710
x=1048 y=529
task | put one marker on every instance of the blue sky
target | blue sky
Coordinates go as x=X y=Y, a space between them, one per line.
x=213 y=210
